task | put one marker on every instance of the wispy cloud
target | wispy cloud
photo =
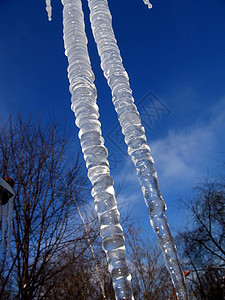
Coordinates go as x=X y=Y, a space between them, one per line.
x=184 y=156
x=182 y=159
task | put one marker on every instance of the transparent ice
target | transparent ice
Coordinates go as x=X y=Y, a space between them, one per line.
x=85 y=108
x=129 y=118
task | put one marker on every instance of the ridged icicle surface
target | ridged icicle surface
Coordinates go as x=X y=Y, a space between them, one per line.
x=129 y=118
x=95 y=154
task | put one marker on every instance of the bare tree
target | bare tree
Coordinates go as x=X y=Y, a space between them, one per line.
x=79 y=278
x=202 y=244
x=44 y=222
x=150 y=278
x=84 y=274
x=56 y=250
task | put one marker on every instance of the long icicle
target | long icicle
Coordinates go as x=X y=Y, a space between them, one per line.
x=85 y=108
x=129 y=118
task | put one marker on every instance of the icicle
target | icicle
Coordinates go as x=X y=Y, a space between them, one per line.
x=85 y=108
x=49 y=9
x=148 y=3
x=135 y=138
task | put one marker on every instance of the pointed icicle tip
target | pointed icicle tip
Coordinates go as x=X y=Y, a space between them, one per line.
x=49 y=9
x=148 y=3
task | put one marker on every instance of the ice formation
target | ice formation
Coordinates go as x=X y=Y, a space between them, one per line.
x=49 y=9
x=85 y=108
x=148 y=3
x=129 y=118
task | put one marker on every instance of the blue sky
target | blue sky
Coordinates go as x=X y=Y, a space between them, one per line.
x=175 y=57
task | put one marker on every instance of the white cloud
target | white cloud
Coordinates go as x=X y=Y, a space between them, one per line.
x=183 y=157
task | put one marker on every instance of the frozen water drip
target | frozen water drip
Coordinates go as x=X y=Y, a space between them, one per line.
x=129 y=118
x=85 y=108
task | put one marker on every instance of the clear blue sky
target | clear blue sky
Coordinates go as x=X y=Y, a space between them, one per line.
x=175 y=50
